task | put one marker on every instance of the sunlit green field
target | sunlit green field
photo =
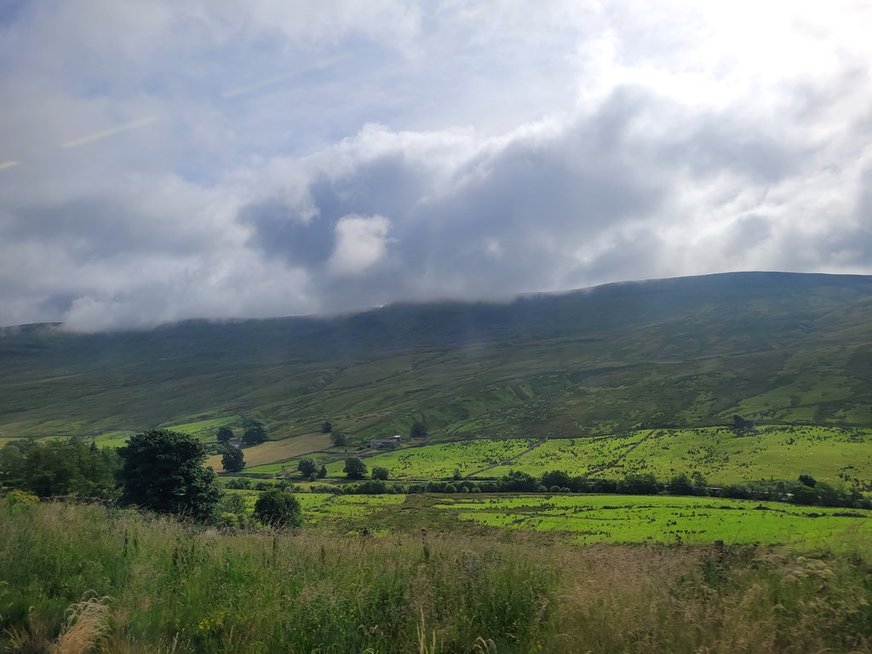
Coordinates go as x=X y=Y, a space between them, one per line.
x=837 y=456
x=829 y=454
x=599 y=518
x=323 y=507
x=440 y=461
x=629 y=519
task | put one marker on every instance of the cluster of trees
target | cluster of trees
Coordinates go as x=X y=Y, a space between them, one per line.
x=59 y=467
x=157 y=470
x=804 y=491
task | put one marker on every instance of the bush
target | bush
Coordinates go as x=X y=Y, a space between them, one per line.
x=380 y=473
x=278 y=508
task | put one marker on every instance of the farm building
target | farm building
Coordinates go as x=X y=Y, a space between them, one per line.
x=385 y=443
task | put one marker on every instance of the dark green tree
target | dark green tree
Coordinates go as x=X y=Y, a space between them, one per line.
x=232 y=459
x=256 y=432
x=278 y=508
x=224 y=435
x=555 y=478
x=326 y=427
x=381 y=473
x=163 y=471
x=807 y=480
x=355 y=468
x=418 y=430
x=339 y=439
x=679 y=485
x=322 y=472
x=308 y=467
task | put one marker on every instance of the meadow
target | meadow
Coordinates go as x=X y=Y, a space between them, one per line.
x=834 y=455
x=630 y=519
x=75 y=578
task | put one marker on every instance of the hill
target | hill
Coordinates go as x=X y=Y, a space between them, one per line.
x=774 y=347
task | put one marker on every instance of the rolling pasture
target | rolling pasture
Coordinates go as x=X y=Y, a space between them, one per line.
x=636 y=519
x=775 y=348
x=591 y=519
x=837 y=456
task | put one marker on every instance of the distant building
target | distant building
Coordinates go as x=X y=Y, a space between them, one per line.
x=390 y=443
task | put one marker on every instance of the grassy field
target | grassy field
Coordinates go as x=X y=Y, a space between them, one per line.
x=85 y=578
x=629 y=519
x=440 y=461
x=834 y=455
x=599 y=518
x=275 y=451
x=829 y=454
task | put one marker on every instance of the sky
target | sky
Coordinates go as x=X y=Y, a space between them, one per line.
x=167 y=160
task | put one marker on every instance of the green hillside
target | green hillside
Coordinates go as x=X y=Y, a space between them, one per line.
x=774 y=347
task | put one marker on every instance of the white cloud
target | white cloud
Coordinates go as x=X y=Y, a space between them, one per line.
x=361 y=242
x=312 y=156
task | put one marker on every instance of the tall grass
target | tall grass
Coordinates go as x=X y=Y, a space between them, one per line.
x=169 y=587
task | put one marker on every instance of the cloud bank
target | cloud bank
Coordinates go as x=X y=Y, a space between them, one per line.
x=163 y=161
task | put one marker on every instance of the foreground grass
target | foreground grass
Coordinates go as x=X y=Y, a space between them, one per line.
x=143 y=584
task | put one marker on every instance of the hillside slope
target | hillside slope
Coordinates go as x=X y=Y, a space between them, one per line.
x=775 y=347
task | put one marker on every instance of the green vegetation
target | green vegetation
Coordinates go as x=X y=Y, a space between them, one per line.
x=128 y=582
x=628 y=519
x=354 y=468
x=773 y=348
x=232 y=459
x=833 y=455
x=278 y=508
x=163 y=471
x=58 y=468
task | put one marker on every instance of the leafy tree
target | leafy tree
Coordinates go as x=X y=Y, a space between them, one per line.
x=232 y=459
x=322 y=472
x=807 y=480
x=326 y=427
x=355 y=468
x=418 y=430
x=339 y=439
x=224 y=435
x=163 y=471
x=278 y=508
x=517 y=482
x=380 y=473
x=457 y=474
x=680 y=485
x=555 y=478
x=639 y=484
x=308 y=467
x=255 y=433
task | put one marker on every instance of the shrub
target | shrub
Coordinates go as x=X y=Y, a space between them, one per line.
x=380 y=473
x=278 y=508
